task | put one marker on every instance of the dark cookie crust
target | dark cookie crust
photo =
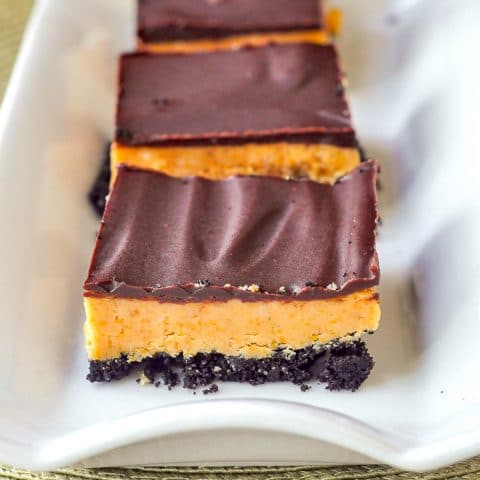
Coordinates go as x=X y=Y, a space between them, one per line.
x=97 y=195
x=342 y=366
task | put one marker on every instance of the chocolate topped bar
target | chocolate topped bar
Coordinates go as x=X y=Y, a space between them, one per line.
x=288 y=93
x=165 y=20
x=252 y=238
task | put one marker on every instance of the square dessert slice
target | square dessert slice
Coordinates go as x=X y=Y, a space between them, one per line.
x=202 y=25
x=245 y=279
x=276 y=110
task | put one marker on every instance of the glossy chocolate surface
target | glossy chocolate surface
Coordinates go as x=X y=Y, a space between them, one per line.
x=276 y=93
x=178 y=240
x=170 y=20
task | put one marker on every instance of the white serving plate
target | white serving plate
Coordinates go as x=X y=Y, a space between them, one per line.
x=413 y=69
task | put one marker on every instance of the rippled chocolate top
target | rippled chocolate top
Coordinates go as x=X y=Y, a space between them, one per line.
x=274 y=93
x=167 y=20
x=179 y=240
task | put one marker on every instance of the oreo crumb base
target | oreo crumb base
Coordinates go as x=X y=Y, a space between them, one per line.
x=213 y=388
x=341 y=366
x=97 y=195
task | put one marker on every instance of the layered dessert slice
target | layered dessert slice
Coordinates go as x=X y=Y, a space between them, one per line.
x=248 y=279
x=278 y=110
x=205 y=25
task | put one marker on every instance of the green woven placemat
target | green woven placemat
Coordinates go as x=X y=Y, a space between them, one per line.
x=13 y=15
x=467 y=470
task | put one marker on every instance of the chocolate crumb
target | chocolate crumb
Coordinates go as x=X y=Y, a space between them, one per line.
x=311 y=284
x=343 y=370
x=304 y=387
x=108 y=370
x=213 y=388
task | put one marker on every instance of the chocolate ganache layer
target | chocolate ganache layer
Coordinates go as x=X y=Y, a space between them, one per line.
x=169 y=20
x=252 y=238
x=277 y=93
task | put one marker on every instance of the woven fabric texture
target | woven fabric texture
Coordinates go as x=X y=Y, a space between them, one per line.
x=13 y=16
x=468 y=471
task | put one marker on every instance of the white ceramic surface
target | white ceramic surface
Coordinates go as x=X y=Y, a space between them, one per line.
x=413 y=69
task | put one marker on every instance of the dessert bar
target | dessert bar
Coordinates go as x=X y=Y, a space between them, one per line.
x=278 y=110
x=251 y=278
x=202 y=25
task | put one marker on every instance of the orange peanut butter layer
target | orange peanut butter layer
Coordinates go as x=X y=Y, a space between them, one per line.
x=143 y=328
x=193 y=26
x=247 y=269
x=323 y=163
x=279 y=110
x=235 y=42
